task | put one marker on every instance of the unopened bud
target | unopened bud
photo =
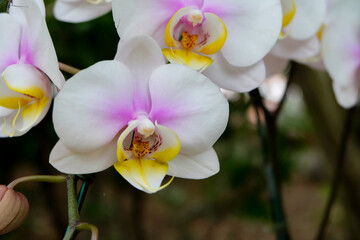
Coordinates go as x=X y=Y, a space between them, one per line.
x=14 y=208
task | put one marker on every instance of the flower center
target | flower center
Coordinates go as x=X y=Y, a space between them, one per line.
x=140 y=148
x=188 y=41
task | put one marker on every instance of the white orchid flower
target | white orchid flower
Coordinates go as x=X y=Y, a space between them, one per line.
x=147 y=118
x=28 y=65
x=231 y=35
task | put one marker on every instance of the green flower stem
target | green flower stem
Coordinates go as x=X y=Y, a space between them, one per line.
x=268 y=134
x=73 y=213
x=88 y=227
x=38 y=178
x=67 y=68
x=339 y=166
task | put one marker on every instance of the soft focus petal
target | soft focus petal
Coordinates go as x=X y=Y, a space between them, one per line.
x=346 y=96
x=141 y=55
x=309 y=16
x=197 y=166
x=253 y=28
x=288 y=11
x=341 y=51
x=274 y=65
x=10 y=40
x=290 y=48
x=189 y=104
x=36 y=44
x=93 y=106
x=79 y=11
x=67 y=161
x=239 y=79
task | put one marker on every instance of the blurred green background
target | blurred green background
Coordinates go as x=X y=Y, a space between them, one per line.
x=230 y=205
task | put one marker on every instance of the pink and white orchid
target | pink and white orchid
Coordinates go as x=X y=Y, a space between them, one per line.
x=28 y=65
x=76 y=11
x=341 y=50
x=147 y=118
x=232 y=35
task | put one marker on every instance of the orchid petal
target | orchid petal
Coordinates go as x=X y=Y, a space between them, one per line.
x=308 y=18
x=143 y=174
x=79 y=11
x=67 y=161
x=202 y=165
x=141 y=55
x=10 y=40
x=290 y=48
x=253 y=28
x=36 y=45
x=288 y=11
x=341 y=51
x=137 y=17
x=187 y=58
x=198 y=117
x=169 y=145
x=217 y=32
x=86 y=118
x=346 y=96
x=239 y=79
x=274 y=65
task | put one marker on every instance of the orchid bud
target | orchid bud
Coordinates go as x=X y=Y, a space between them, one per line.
x=14 y=208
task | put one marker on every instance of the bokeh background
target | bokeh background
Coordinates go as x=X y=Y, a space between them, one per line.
x=234 y=203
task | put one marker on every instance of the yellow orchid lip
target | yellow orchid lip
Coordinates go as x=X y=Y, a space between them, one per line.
x=191 y=34
x=143 y=161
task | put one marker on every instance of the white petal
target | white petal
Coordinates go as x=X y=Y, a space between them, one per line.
x=308 y=18
x=341 y=50
x=290 y=48
x=253 y=28
x=189 y=104
x=137 y=17
x=79 y=11
x=67 y=161
x=197 y=166
x=36 y=44
x=141 y=55
x=93 y=106
x=10 y=40
x=346 y=96
x=238 y=79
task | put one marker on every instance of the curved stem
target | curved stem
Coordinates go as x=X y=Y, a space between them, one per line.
x=339 y=166
x=88 y=227
x=67 y=68
x=38 y=178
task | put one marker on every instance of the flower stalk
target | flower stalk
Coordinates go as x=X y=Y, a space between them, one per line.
x=38 y=178
x=338 y=171
x=67 y=68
